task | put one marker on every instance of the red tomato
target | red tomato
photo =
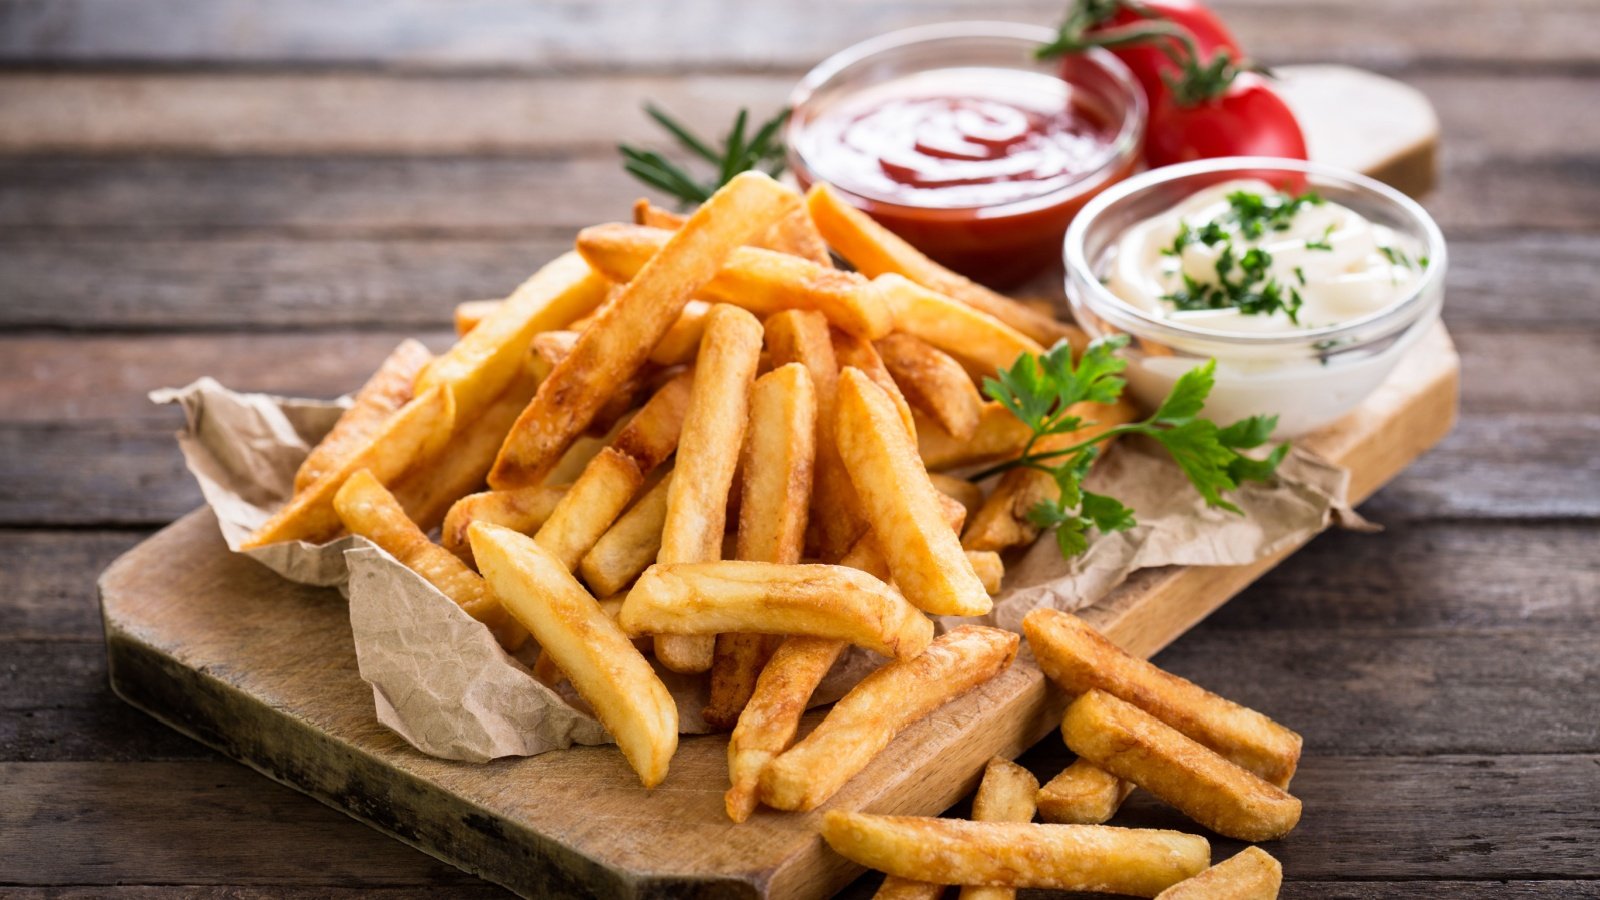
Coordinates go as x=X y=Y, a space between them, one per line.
x=1148 y=62
x=1250 y=119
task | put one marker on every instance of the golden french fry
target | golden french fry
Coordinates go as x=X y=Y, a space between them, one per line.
x=580 y=453
x=933 y=382
x=1006 y=794
x=1078 y=658
x=902 y=506
x=1138 y=861
x=416 y=432
x=708 y=453
x=385 y=392
x=866 y=556
x=978 y=340
x=815 y=600
x=1082 y=794
x=776 y=463
x=682 y=340
x=794 y=234
x=882 y=705
x=999 y=435
x=551 y=347
x=548 y=349
x=1134 y=745
x=801 y=336
x=522 y=510
x=544 y=665
x=894 y=888
x=470 y=312
x=647 y=213
x=969 y=495
x=1003 y=520
x=770 y=718
x=1250 y=874
x=628 y=327
x=989 y=567
x=368 y=509
x=486 y=359
x=854 y=352
x=604 y=667
x=874 y=251
x=630 y=546
x=761 y=281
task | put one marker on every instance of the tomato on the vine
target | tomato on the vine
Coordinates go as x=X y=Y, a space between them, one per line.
x=1249 y=119
x=1151 y=64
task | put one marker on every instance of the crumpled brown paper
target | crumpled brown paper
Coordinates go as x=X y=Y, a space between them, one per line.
x=442 y=683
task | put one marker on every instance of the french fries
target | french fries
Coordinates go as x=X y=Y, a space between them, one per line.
x=1078 y=659
x=852 y=352
x=1138 y=861
x=989 y=567
x=1082 y=794
x=875 y=250
x=794 y=234
x=1006 y=794
x=980 y=341
x=964 y=492
x=999 y=435
x=713 y=433
x=761 y=281
x=894 y=888
x=602 y=664
x=416 y=432
x=470 y=312
x=1250 y=874
x=523 y=510
x=933 y=382
x=901 y=504
x=1134 y=745
x=384 y=393
x=619 y=341
x=882 y=705
x=368 y=509
x=772 y=715
x=631 y=545
x=1003 y=520
x=682 y=340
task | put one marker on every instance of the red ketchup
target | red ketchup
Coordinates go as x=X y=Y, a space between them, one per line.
x=981 y=169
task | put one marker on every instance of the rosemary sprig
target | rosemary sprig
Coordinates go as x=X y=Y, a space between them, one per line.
x=761 y=151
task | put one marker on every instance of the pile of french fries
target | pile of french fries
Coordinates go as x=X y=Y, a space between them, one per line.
x=705 y=444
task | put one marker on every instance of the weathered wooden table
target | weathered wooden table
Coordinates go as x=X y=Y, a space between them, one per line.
x=275 y=193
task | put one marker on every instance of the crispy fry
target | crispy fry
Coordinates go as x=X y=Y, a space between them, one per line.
x=1082 y=794
x=1006 y=794
x=416 y=432
x=1250 y=874
x=1132 y=744
x=777 y=463
x=626 y=329
x=713 y=433
x=770 y=718
x=1078 y=658
x=470 y=312
x=386 y=391
x=485 y=360
x=978 y=340
x=794 y=234
x=682 y=341
x=1003 y=521
x=989 y=567
x=1137 y=861
x=580 y=453
x=854 y=352
x=874 y=251
x=801 y=336
x=969 y=495
x=771 y=598
x=866 y=556
x=999 y=435
x=894 y=888
x=549 y=348
x=761 y=281
x=544 y=665
x=902 y=505
x=608 y=672
x=646 y=213
x=630 y=546
x=933 y=382
x=523 y=510
x=368 y=509
x=867 y=718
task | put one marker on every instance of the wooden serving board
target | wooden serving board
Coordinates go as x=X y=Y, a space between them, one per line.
x=264 y=670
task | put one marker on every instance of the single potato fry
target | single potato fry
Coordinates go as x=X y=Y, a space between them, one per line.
x=1082 y=794
x=856 y=353
x=418 y=431
x=981 y=342
x=708 y=453
x=761 y=281
x=368 y=509
x=874 y=250
x=523 y=510
x=647 y=213
x=866 y=556
x=881 y=706
x=1078 y=658
x=548 y=349
x=385 y=392
x=894 y=888
x=770 y=718
x=604 y=667
x=933 y=382
x=901 y=505
x=682 y=341
x=969 y=495
x=1250 y=874
x=628 y=327
x=794 y=234
x=771 y=598
x=1138 y=861
x=630 y=546
x=1134 y=745
x=1006 y=794
x=1003 y=521
x=486 y=359
x=999 y=435
x=989 y=567
x=469 y=313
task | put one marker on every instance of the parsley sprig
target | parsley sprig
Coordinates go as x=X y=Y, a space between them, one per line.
x=1042 y=390
x=760 y=151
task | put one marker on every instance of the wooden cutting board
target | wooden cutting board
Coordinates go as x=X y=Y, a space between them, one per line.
x=264 y=670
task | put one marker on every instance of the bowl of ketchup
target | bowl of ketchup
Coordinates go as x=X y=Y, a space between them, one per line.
x=955 y=138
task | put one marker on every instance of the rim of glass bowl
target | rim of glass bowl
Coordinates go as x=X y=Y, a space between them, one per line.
x=1128 y=140
x=1103 y=303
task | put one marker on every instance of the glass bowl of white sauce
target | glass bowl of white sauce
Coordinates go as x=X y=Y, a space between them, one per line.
x=1306 y=283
